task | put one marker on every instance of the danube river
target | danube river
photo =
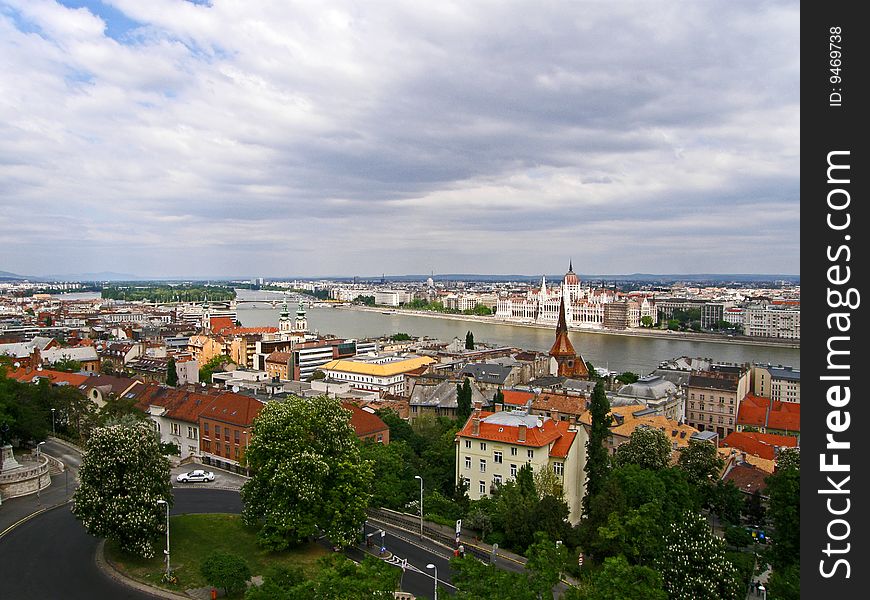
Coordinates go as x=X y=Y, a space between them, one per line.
x=616 y=352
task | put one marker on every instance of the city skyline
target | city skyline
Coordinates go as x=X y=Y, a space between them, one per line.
x=172 y=137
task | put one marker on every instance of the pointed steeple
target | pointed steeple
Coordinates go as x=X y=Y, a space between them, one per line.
x=570 y=363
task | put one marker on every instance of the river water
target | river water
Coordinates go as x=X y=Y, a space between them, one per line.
x=619 y=353
x=616 y=352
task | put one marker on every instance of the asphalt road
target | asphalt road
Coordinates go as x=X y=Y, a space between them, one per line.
x=52 y=556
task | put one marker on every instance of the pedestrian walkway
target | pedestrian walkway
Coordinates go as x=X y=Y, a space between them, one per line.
x=18 y=510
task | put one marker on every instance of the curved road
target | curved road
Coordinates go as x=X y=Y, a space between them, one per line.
x=52 y=556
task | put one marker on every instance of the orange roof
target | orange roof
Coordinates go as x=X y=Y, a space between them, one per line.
x=26 y=375
x=364 y=423
x=248 y=330
x=759 y=444
x=549 y=432
x=563 y=445
x=568 y=405
x=232 y=408
x=517 y=398
x=216 y=324
x=758 y=411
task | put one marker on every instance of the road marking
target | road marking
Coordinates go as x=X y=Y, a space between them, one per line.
x=30 y=516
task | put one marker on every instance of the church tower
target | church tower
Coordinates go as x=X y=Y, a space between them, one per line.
x=570 y=364
x=301 y=324
x=284 y=324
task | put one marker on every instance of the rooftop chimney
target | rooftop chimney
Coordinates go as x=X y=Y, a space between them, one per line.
x=521 y=436
x=475 y=426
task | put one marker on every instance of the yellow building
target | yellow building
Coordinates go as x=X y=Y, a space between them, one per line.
x=384 y=374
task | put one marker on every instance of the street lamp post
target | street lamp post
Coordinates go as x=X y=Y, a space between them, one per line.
x=165 y=503
x=247 y=467
x=431 y=566
x=52 y=421
x=421 y=504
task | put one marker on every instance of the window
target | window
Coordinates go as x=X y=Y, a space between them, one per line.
x=191 y=449
x=483 y=445
x=513 y=470
x=559 y=468
x=702 y=396
x=467 y=462
x=483 y=465
x=176 y=428
x=513 y=451
x=468 y=443
x=191 y=433
x=217 y=431
x=531 y=453
x=496 y=457
x=482 y=487
x=496 y=479
x=227 y=450
x=206 y=445
x=236 y=436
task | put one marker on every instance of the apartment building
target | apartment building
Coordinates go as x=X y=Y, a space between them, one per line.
x=713 y=398
x=492 y=447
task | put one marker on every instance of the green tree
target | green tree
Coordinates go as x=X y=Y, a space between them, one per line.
x=171 y=373
x=619 y=580
x=726 y=501
x=463 y=400
x=400 y=337
x=694 y=565
x=700 y=461
x=783 y=488
x=627 y=377
x=216 y=364
x=226 y=571
x=469 y=341
x=318 y=375
x=307 y=473
x=108 y=366
x=597 y=461
x=475 y=580
x=546 y=562
x=646 y=321
x=785 y=584
x=393 y=485
x=122 y=475
x=498 y=397
x=339 y=578
x=754 y=510
x=67 y=365
x=647 y=447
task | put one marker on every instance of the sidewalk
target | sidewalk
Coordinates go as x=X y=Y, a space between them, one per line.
x=18 y=510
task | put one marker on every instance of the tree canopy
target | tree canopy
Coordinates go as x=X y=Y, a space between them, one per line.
x=122 y=475
x=307 y=474
x=598 y=460
x=647 y=447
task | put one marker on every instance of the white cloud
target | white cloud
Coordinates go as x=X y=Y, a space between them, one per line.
x=617 y=131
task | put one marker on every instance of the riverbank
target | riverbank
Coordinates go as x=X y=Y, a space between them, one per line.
x=642 y=333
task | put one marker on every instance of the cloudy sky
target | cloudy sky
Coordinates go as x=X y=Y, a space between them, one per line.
x=269 y=137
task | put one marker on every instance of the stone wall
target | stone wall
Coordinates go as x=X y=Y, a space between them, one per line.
x=31 y=477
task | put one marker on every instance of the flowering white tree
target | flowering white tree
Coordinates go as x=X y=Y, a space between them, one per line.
x=123 y=474
x=694 y=565
x=308 y=475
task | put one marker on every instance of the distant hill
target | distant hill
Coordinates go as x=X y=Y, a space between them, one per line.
x=637 y=277
x=101 y=276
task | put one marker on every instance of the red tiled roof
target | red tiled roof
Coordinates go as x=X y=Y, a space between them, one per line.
x=759 y=444
x=279 y=357
x=568 y=405
x=232 y=408
x=516 y=397
x=563 y=445
x=758 y=411
x=364 y=423
x=247 y=330
x=549 y=432
x=54 y=377
x=216 y=324
x=747 y=478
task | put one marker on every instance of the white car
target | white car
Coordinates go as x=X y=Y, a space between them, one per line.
x=197 y=475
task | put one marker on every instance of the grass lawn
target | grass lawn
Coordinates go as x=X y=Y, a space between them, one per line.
x=193 y=537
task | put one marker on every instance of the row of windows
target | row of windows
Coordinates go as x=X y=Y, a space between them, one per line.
x=228 y=451
x=701 y=406
x=218 y=430
x=497 y=454
x=710 y=418
x=712 y=398
x=558 y=469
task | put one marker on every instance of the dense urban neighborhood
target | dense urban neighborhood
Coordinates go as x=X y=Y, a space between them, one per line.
x=535 y=473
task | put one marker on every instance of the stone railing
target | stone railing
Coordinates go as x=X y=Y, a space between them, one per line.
x=31 y=477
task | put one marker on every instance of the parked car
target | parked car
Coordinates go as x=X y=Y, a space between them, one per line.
x=196 y=475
